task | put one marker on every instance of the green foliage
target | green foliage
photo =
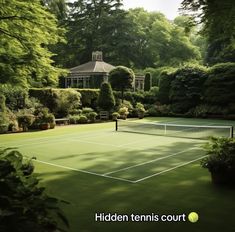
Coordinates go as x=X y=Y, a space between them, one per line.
x=27 y=31
x=187 y=88
x=123 y=112
x=89 y=97
x=221 y=156
x=159 y=110
x=4 y=122
x=74 y=119
x=106 y=100
x=97 y=25
x=121 y=78
x=59 y=101
x=83 y=119
x=220 y=85
x=206 y=110
x=25 y=121
x=2 y=104
x=115 y=115
x=165 y=81
x=92 y=116
x=219 y=27
x=24 y=205
x=147 y=82
x=16 y=96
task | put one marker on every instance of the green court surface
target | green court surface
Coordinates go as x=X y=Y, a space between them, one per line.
x=99 y=169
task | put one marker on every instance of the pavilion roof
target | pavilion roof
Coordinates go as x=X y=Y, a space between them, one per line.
x=93 y=67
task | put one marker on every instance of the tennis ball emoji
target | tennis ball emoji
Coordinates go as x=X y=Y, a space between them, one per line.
x=193 y=217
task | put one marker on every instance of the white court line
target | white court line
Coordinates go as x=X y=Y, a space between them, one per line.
x=90 y=142
x=61 y=137
x=151 y=161
x=64 y=139
x=83 y=171
x=170 y=169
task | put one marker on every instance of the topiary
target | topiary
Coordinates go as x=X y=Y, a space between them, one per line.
x=106 y=100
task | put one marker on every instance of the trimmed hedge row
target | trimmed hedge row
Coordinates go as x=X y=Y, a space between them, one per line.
x=195 y=87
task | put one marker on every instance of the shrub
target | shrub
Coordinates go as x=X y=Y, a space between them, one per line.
x=123 y=111
x=74 y=119
x=106 y=100
x=220 y=85
x=121 y=78
x=140 y=110
x=24 y=205
x=128 y=105
x=151 y=96
x=89 y=97
x=83 y=119
x=187 y=88
x=147 y=81
x=160 y=110
x=92 y=116
x=206 y=110
x=115 y=115
x=87 y=110
x=221 y=159
x=59 y=101
x=25 y=121
x=165 y=81
x=16 y=96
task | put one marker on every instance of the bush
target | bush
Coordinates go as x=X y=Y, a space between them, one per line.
x=83 y=119
x=122 y=78
x=133 y=97
x=165 y=81
x=187 y=88
x=151 y=96
x=221 y=160
x=24 y=205
x=59 y=101
x=106 y=100
x=140 y=110
x=206 y=110
x=16 y=97
x=87 y=110
x=92 y=116
x=159 y=110
x=115 y=115
x=220 y=85
x=147 y=81
x=74 y=119
x=123 y=111
x=25 y=121
x=89 y=97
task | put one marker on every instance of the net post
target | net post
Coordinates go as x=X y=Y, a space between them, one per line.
x=231 y=132
x=116 y=125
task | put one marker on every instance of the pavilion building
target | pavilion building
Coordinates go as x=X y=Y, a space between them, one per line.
x=93 y=73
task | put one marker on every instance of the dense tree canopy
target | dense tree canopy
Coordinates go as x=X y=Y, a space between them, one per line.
x=27 y=29
x=219 y=27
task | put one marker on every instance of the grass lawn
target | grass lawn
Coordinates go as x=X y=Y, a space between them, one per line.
x=99 y=170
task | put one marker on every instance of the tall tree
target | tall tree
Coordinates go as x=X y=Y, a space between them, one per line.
x=219 y=27
x=26 y=31
x=96 y=25
x=57 y=7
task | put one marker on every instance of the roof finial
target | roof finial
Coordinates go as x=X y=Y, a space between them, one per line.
x=97 y=56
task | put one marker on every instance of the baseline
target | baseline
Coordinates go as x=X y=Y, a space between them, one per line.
x=168 y=170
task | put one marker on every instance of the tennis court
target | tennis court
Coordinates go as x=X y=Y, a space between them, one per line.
x=120 y=155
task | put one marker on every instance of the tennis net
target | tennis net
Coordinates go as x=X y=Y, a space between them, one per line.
x=174 y=130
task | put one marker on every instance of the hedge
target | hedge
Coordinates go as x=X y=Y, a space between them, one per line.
x=220 y=86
